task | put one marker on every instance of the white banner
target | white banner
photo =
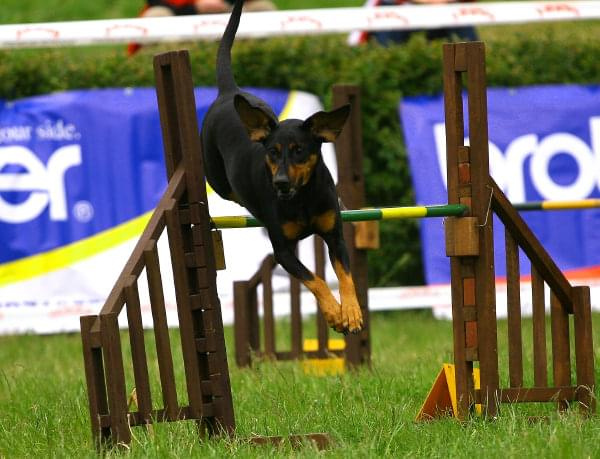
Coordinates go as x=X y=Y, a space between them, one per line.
x=443 y=309
x=292 y=22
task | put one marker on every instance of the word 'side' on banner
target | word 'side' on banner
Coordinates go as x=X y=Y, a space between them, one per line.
x=80 y=173
x=544 y=145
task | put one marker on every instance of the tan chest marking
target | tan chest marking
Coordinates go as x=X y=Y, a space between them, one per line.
x=291 y=230
x=325 y=222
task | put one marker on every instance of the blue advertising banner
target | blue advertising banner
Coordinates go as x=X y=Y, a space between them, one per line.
x=80 y=174
x=544 y=145
x=77 y=163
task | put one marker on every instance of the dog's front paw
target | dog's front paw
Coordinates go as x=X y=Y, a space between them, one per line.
x=332 y=312
x=352 y=320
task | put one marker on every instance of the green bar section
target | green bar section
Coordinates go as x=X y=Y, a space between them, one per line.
x=528 y=206
x=361 y=215
x=448 y=210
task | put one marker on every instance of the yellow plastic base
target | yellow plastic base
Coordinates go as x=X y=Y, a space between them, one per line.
x=324 y=367
x=441 y=400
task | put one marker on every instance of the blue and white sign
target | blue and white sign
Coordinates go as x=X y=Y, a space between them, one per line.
x=80 y=173
x=544 y=145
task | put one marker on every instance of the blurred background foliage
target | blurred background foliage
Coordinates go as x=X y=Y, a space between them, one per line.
x=516 y=55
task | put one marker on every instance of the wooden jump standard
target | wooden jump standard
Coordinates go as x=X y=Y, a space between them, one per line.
x=183 y=211
x=469 y=244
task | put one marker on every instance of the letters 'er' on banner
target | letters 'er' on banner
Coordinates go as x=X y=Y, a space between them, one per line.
x=80 y=173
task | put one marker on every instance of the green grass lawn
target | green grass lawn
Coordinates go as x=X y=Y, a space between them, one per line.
x=43 y=401
x=369 y=413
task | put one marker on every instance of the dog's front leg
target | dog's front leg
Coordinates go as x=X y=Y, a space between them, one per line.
x=351 y=313
x=331 y=309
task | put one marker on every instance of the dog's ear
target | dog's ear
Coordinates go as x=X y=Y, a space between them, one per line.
x=257 y=121
x=326 y=126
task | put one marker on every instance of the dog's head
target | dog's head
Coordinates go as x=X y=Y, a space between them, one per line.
x=293 y=147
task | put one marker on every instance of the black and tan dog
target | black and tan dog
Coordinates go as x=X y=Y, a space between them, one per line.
x=277 y=172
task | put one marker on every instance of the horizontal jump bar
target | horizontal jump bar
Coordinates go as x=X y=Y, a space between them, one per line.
x=386 y=213
x=397 y=213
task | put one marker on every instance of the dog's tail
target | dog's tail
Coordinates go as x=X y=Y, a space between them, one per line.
x=225 y=79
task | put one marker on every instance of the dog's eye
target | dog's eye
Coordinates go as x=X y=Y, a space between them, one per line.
x=273 y=152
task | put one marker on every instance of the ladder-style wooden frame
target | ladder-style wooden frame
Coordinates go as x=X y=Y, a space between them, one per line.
x=470 y=245
x=183 y=211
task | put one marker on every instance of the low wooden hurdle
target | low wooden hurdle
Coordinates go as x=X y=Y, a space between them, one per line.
x=470 y=246
x=247 y=322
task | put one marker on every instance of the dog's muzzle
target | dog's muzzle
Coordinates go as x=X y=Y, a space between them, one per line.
x=286 y=196
x=285 y=192
x=283 y=187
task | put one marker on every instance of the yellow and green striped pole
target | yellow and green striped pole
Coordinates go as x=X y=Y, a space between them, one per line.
x=385 y=213
x=559 y=205
x=397 y=213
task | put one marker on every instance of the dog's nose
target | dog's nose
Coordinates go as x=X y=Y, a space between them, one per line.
x=281 y=181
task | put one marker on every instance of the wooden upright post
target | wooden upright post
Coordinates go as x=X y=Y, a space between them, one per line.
x=469 y=244
x=584 y=349
x=351 y=189
x=473 y=279
x=194 y=270
x=183 y=211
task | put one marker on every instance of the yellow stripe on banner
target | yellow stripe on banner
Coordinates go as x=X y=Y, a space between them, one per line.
x=579 y=204
x=403 y=212
x=37 y=265
x=285 y=113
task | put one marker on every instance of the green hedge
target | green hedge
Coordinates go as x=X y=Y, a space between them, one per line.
x=314 y=64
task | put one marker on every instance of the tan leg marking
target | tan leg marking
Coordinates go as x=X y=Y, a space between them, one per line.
x=351 y=313
x=329 y=306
